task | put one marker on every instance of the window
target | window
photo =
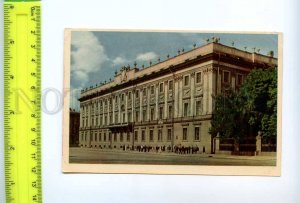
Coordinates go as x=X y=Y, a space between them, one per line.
x=226 y=76
x=124 y=117
x=151 y=135
x=104 y=137
x=137 y=94
x=152 y=114
x=186 y=80
x=116 y=100
x=170 y=84
x=129 y=95
x=110 y=118
x=97 y=121
x=109 y=136
x=143 y=136
x=137 y=115
x=121 y=137
x=96 y=136
x=159 y=135
x=169 y=137
x=161 y=112
x=144 y=115
x=105 y=120
x=122 y=97
x=184 y=134
x=144 y=92
x=115 y=137
x=170 y=111
x=161 y=87
x=135 y=135
x=239 y=79
x=185 y=109
x=198 y=77
x=92 y=121
x=152 y=89
x=128 y=137
x=198 y=108
x=129 y=116
x=100 y=120
x=116 y=117
x=92 y=136
x=100 y=137
x=197 y=133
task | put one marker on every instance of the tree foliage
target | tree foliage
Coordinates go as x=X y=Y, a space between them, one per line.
x=251 y=109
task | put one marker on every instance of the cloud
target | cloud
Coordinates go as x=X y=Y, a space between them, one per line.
x=146 y=56
x=119 y=61
x=87 y=55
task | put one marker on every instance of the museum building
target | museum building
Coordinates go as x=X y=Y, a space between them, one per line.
x=168 y=104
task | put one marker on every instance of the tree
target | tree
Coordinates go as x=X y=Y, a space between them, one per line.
x=252 y=108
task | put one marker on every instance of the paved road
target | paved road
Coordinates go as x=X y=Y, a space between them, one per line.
x=95 y=156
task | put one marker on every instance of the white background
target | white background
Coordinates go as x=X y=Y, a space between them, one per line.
x=231 y=15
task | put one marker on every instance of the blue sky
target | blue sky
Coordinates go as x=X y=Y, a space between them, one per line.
x=95 y=56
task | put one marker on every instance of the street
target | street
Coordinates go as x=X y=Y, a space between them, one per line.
x=97 y=156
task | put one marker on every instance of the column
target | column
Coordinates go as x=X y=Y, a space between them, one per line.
x=192 y=107
x=205 y=93
x=141 y=104
x=148 y=103
x=156 y=101
x=176 y=97
x=258 y=143
x=166 y=100
x=119 y=109
x=81 y=112
x=211 y=85
x=180 y=98
x=108 y=113
x=113 y=109
x=126 y=106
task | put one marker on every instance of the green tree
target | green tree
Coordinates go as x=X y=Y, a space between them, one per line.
x=252 y=108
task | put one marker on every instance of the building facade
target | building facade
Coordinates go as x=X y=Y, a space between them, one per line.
x=168 y=104
x=74 y=123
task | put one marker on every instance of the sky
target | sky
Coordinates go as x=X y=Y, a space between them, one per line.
x=95 y=56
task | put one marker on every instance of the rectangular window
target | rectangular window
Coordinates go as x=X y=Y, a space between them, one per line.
x=104 y=137
x=100 y=137
x=239 y=79
x=144 y=115
x=152 y=89
x=137 y=113
x=96 y=137
x=129 y=116
x=123 y=97
x=184 y=134
x=121 y=137
x=144 y=92
x=151 y=135
x=116 y=117
x=159 y=135
x=115 y=137
x=129 y=95
x=170 y=112
x=198 y=108
x=171 y=85
x=161 y=112
x=110 y=118
x=152 y=114
x=128 y=137
x=186 y=80
x=198 y=77
x=100 y=120
x=92 y=136
x=185 y=109
x=124 y=117
x=169 y=137
x=137 y=94
x=161 y=87
x=143 y=136
x=226 y=76
x=197 y=133
x=116 y=100
x=135 y=135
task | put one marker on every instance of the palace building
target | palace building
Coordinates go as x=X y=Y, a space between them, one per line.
x=168 y=104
